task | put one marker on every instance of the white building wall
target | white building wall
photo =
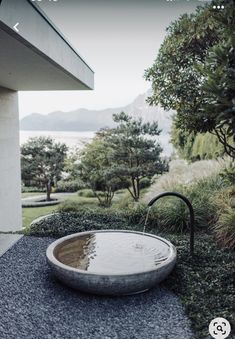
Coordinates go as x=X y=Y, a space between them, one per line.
x=10 y=181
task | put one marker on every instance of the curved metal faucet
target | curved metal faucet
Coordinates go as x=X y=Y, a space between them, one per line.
x=191 y=211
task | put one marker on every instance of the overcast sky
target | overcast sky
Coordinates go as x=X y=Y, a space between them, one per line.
x=119 y=39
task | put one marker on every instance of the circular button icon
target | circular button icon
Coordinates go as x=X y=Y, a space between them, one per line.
x=219 y=328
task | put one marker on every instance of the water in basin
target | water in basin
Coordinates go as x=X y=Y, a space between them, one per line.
x=113 y=252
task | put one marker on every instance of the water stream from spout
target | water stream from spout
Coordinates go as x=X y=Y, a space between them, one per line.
x=146 y=219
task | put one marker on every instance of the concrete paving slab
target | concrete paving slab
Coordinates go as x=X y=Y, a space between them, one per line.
x=7 y=241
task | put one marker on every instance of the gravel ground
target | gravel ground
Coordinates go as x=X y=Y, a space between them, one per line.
x=35 y=305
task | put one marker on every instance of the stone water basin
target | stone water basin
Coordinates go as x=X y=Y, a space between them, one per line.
x=111 y=262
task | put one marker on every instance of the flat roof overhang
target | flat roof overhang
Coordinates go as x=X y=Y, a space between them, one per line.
x=38 y=56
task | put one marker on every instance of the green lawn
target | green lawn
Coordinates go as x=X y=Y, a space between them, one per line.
x=31 y=194
x=31 y=213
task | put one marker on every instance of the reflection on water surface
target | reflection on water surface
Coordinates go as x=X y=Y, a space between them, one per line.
x=113 y=252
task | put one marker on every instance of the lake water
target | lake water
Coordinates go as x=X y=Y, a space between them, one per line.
x=79 y=139
x=71 y=139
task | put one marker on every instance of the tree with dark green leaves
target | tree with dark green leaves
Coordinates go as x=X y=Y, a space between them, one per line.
x=218 y=73
x=94 y=170
x=134 y=151
x=193 y=73
x=42 y=162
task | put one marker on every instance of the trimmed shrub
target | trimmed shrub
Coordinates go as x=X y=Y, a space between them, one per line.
x=69 y=206
x=69 y=186
x=145 y=182
x=32 y=189
x=87 y=193
x=75 y=206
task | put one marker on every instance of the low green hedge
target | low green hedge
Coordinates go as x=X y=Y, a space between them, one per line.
x=86 y=193
x=69 y=186
x=64 y=223
x=31 y=203
x=31 y=189
x=145 y=182
x=73 y=218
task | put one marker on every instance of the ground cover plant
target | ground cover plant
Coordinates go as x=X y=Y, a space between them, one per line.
x=204 y=283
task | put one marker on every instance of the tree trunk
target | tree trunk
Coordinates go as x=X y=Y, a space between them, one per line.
x=48 y=188
x=97 y=196
x=136 y=198
x=138 y=188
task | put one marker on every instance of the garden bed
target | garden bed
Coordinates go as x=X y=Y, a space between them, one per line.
x=203 y=283
x=39 y=202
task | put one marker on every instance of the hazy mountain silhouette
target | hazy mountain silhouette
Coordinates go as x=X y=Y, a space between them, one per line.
x=92 y=120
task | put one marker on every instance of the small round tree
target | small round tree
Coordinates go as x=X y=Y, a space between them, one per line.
x=94 y=170
x=42 y=162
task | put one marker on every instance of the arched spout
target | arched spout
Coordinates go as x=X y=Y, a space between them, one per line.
x=191 y=211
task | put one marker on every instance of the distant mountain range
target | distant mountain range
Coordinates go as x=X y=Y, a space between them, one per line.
x=92 y=120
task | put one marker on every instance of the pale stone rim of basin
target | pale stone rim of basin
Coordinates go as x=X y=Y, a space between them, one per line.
x=52 y=259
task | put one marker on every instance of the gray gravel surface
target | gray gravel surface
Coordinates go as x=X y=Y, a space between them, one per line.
x=35 y=305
